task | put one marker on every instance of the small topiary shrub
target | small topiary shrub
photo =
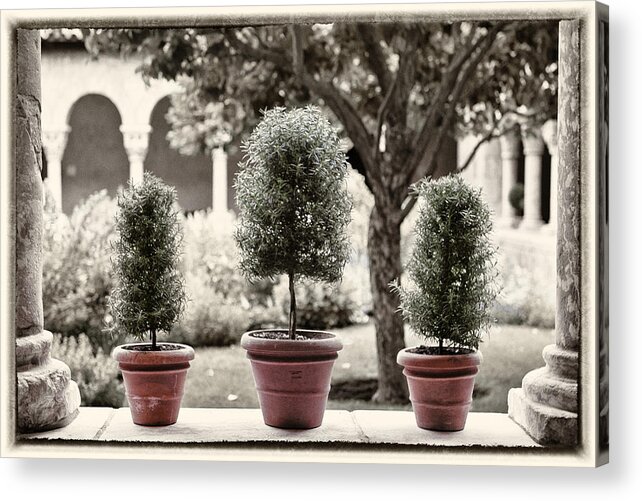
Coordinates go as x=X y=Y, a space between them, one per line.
x=452 y=267
x=95 y=373
x=150 y=295
x=293 y=200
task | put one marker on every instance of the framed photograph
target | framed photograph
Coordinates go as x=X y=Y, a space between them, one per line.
x=373 y=234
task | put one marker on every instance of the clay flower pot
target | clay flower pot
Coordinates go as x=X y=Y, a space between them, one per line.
x=154 y=380
x=292 y=376
x=441 y=387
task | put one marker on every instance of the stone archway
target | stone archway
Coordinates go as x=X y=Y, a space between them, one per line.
x=191 y=175
x=95 y=157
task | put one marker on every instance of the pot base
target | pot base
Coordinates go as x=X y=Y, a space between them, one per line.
x=292 y=377
x=441 y=387
x=154 y=382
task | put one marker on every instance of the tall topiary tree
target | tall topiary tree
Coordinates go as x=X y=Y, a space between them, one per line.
x=453 y=266
x=293 y=200
x=150 y=296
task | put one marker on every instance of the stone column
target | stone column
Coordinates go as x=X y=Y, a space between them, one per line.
x=549 y=134
x=136 y=140
x=46 y=396
x=510 y=148
x=54 y=141
x=533 y=150
x=219 y=181
x=547 y=404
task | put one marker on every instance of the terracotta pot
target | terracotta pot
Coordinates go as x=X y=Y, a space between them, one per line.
x=441 y=387
x=154 y=381
x=292 y=376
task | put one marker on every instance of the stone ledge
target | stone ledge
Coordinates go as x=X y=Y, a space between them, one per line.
x=246 y=426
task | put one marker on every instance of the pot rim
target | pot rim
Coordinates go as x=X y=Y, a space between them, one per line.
x=406 y=358
x=327 y=342
x=122 y=353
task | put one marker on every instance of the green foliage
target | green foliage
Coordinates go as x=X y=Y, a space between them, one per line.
x=528 y=293
x=77 y=278
x=95 y=373
x=149 y=296
x=516 y=198
x=293 y=200
x=452 y=265
x=322 y=306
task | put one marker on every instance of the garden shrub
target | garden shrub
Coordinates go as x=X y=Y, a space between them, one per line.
x=77 y=277
x=452 y=269
x=322 y=306
x=211 y=318
x=95 y=373
x=292 y=195
x=527 y=297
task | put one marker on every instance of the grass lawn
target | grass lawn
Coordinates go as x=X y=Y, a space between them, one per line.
x=221 y=377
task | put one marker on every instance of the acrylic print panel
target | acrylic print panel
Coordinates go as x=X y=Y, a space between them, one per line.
x=513 y=100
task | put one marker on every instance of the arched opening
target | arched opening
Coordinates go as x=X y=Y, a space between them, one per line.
x=191 y=175
x=95 y=157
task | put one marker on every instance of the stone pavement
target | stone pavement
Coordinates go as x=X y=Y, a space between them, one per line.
x=246 y=426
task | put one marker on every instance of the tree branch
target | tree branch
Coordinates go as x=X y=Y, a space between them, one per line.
x=341 y=107
x=451 y=87
x=370 y=33
x=278 y=58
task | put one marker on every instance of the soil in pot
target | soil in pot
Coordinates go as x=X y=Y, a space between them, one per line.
x=154 y=380
x=440 y=385
x=292 y=376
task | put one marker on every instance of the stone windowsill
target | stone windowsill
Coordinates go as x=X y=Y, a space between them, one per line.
x=211 y=426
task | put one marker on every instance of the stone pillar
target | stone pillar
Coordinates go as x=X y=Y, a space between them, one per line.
x=54 y=141
x=549 y=134
x=547 y=404
x=533 y=150
x=219 y=181
x=510 y=148
x=136 y=140
x=46 y=396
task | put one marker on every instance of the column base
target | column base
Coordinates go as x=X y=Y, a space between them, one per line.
x=508 y=222
x=546 y=405
x=550 y=229
x=547 y=425
x=531 y=224
x=47 y=397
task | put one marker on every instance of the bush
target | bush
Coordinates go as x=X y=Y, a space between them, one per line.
x=77 y=276
x=452 y=267
x=95 y=373
x=321 y=306
x=526 y=297
x=149 y=296
x=293 y=200
x=210 y=318
x=516 y=198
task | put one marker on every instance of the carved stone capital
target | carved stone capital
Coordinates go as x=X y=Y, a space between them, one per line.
x=136 y=141
x=533 y=142
x=55 y=141
x=549 y=134
x=510 y=144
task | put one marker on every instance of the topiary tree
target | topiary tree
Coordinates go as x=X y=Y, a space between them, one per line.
x=453 y=266
x=294 y=205
x=149 y=296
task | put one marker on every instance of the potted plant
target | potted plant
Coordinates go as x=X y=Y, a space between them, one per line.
x=294 y=209
x=148 y=299
x=453 y=273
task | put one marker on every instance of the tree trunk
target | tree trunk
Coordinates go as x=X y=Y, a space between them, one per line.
x=384 y=250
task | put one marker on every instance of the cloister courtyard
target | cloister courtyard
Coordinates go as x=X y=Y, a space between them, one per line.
x=119 y=116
